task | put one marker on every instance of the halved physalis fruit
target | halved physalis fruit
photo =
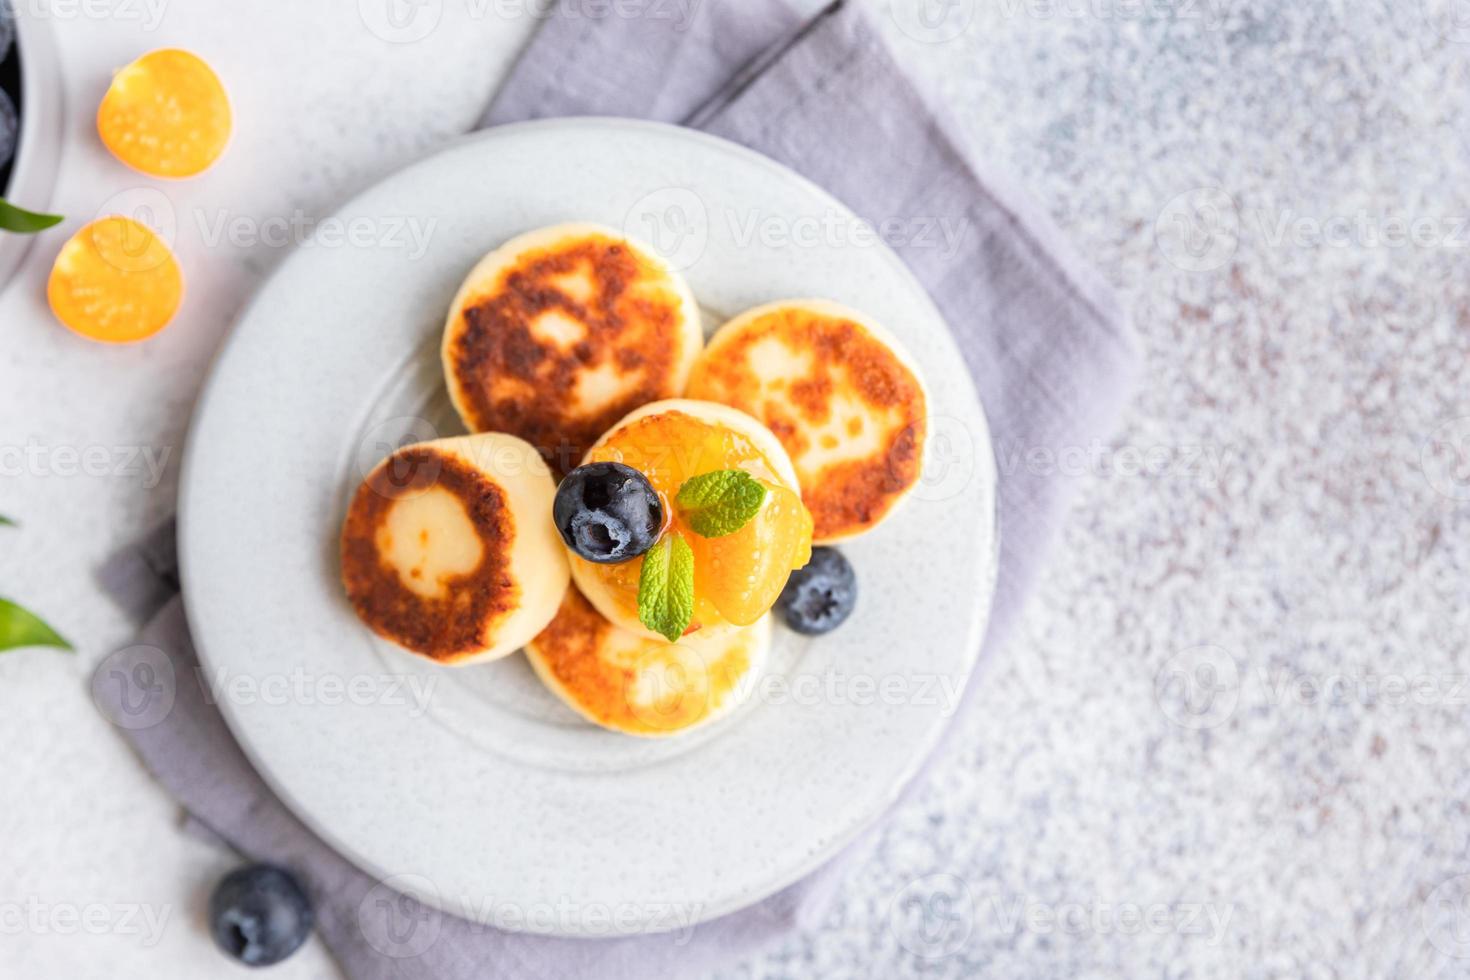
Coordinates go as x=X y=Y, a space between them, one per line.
x=742 y=573
x=115 y=281
x=737 y=576
x=165 y=115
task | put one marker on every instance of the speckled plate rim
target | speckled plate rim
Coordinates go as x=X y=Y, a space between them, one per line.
x=194 y=563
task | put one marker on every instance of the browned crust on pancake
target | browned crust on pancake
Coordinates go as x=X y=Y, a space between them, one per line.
x=493 y=347
x=454 y=626
x=848 y=496
x=568 y=648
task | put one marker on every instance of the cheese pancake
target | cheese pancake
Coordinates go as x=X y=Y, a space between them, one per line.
x=560 y=332
x=844 y=399
x=670 y=442
x=448 y=549
x=639 y=686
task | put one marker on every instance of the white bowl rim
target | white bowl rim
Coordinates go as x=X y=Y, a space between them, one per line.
x=33 y=173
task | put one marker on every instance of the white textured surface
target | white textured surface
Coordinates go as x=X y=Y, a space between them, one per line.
x=1319 y=548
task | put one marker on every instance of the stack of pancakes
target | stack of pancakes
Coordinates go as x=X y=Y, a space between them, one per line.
x=449 y=548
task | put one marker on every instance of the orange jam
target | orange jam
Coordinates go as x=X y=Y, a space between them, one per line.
x=737 y=577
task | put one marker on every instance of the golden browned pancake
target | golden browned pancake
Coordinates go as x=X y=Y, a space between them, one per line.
x=840 y=394
x=639 y=686
x=448 y=549
x=560 y=332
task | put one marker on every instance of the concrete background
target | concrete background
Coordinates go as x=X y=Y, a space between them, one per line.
x=1229 y=737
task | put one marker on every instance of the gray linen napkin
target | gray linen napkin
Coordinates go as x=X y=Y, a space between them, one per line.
x=1049 y=348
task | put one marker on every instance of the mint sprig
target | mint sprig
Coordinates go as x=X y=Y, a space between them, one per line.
x=666 y=587
x=21 y=628
x=24 y=222
x=720 y=503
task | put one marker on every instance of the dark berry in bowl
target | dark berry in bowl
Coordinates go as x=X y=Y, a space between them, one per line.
x=259 y=914
x=607 y=512
x=819 y=595
x=9 y=127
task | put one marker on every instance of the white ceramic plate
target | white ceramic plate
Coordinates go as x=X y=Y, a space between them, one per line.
x=487 y=797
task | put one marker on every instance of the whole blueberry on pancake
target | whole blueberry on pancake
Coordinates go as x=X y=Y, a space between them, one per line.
x=560 y=332
x=843 y=397
x=607 y=512
x=448 y=549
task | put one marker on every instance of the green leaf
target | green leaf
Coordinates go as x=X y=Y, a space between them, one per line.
x=666 y=587
x=20 y=628
x=6 y=522
x=25 y=222
x=720 y=503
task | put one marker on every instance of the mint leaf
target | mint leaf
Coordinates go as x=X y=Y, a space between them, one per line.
x=666 y=587
x=720 y=503
x=24 y=222
x=19 y=628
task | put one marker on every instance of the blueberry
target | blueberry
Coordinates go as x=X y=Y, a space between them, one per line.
x=259 y=914
x=9 y=126
x=820 y=595
x=607 y=512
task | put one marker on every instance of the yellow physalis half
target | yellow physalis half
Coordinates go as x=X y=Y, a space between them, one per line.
x=115 y=281
x=165 y=115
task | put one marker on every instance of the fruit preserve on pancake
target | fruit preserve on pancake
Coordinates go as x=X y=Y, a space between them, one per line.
x=737 y=576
